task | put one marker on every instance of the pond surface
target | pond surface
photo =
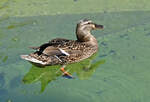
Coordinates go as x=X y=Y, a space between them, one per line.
x=119 y=72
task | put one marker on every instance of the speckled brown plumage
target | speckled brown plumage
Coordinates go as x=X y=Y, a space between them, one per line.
x=64 y=51
x=77 y=50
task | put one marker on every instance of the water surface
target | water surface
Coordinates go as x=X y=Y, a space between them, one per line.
x=119 y=72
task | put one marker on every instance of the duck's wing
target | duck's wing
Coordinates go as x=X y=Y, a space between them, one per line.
x=62 y=46
x=43 y=46
x=58 y=46
x=54 y=42
x=59 y=40
x=50 y=51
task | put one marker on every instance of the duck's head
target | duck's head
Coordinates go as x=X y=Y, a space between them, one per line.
x=84 y=28
x=86 y=24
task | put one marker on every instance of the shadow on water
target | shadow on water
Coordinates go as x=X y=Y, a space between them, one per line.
x=83 y=70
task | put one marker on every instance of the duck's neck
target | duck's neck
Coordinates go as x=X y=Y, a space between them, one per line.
x=85 y=36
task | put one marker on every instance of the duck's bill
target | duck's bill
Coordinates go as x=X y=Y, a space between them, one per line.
x=97 y=26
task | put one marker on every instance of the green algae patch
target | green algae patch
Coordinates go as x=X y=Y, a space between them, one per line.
x=21 y=24
x=83 y=69
x=5 y=59
x=22 y=8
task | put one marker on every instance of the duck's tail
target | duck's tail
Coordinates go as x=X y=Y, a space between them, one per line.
x=32 y=59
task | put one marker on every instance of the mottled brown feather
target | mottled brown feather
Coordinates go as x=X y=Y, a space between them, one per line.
x=76 y=50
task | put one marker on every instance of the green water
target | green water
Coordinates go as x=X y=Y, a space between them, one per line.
x=119 y=72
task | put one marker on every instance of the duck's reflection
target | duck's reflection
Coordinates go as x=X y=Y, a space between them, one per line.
x=83 y=70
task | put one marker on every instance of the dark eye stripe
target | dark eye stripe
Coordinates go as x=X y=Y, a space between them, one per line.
x=90 y=23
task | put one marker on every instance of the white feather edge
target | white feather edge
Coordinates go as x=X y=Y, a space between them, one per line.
x=64 y=52
x=31 y=59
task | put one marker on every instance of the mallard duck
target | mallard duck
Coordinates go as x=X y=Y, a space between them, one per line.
x=62 y=51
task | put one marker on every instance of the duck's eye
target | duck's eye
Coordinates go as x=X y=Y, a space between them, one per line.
x=88 y=23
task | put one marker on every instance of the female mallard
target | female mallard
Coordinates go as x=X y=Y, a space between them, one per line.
x=61 y=51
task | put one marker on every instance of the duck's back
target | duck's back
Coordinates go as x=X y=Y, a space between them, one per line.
x=62 y=51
